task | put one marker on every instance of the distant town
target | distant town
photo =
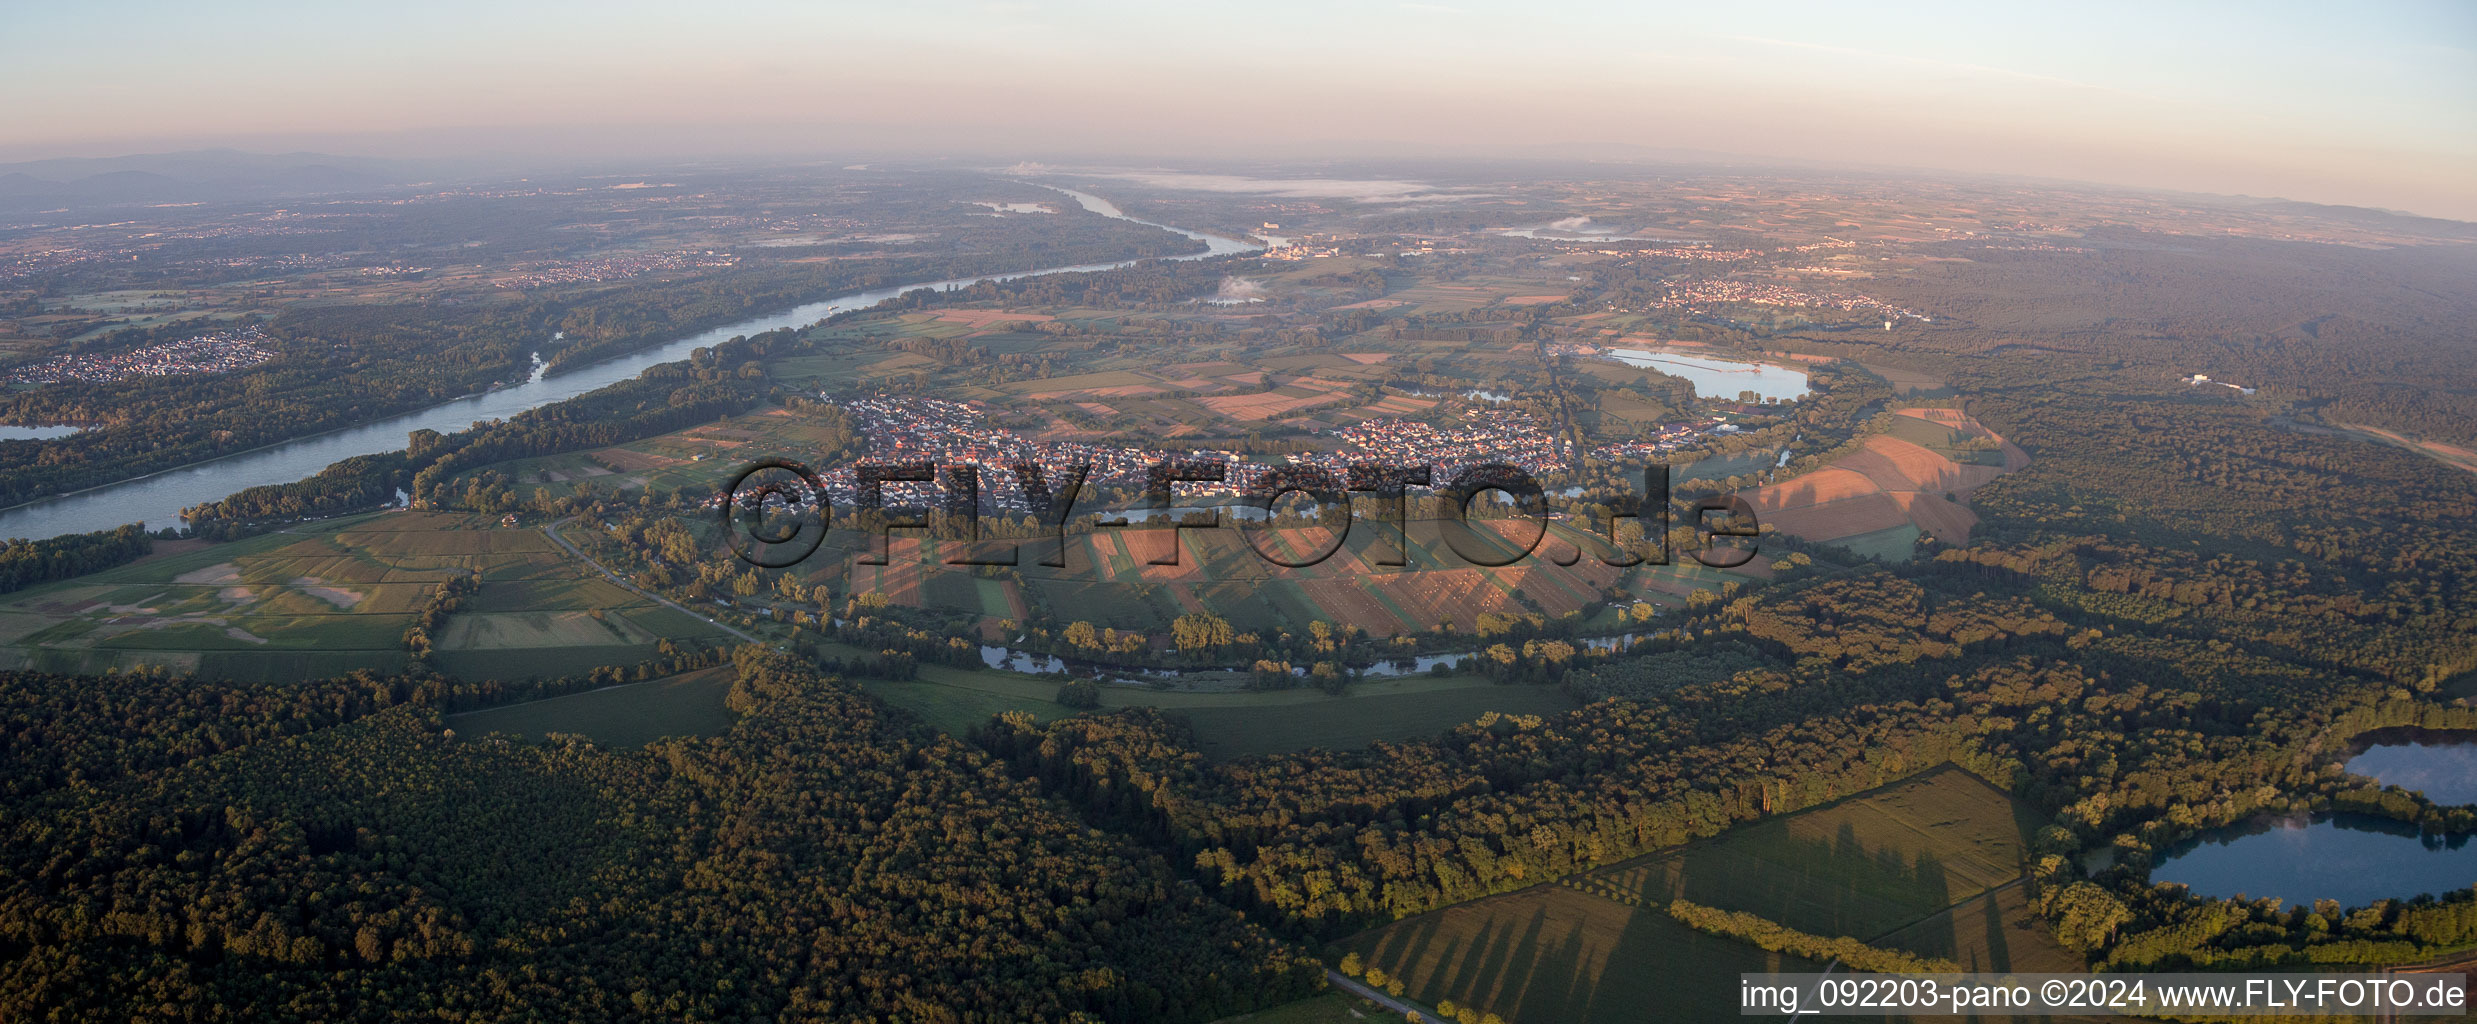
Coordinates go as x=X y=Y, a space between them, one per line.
x=221 y=352
x=913 y=429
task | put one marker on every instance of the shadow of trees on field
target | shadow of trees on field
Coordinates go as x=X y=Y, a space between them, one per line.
x=1600 y=946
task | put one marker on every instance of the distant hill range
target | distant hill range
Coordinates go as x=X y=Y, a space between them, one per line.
x=191 y=177
x=2367 y=217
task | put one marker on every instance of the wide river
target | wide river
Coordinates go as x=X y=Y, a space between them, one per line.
x=158 y=500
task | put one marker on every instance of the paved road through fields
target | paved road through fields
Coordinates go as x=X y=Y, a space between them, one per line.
x=553 y=531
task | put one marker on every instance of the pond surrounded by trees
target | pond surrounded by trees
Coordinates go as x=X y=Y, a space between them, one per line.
x=2442 y=765
x=2353 y=858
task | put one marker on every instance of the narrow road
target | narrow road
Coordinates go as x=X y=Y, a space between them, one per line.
x=1819 y=979
x=1562 y=431
x=553 y=531
x=1358 y=988
x=2463 y=963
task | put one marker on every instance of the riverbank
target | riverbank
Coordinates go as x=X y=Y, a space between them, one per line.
x=159 y=497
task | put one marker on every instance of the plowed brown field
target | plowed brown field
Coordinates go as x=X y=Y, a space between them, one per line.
x=1885 y=483
x=1845 y=517
x=1897 y=465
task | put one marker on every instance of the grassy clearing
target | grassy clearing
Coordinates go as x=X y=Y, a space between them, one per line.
x=954 y=700
x=689 y=704
x=1910 y=383
x=1723 y=467
x=1228 y=724
x=1361 y=718
x=1897 y=544
x=2462 y=687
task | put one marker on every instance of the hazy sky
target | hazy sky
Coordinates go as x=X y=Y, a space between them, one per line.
x=2365 y=103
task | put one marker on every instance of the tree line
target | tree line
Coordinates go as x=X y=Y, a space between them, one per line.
x=24 y=563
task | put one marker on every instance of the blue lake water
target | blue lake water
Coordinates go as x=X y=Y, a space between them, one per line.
x=1035 y=663
x=2352 y=858
x=1717 y=377
x=1554 y=233
x=9 y=433
x=2441 y=765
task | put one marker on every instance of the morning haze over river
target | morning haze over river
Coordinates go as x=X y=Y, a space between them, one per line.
x=157 y=500
x=1622 y=512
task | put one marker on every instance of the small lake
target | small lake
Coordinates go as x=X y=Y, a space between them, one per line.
x=2353 y=858
x=1035 y=663
x=2442 y=765
x=9 y=433
x=1718 y=377
x=1566 y=233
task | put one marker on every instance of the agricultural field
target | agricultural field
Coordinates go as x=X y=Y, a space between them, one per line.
x=1863 y=866
x=1909 y=383
x=701 y=459
x=327 y=598
x=1553 y=955
x=1079 y=392
x=1464 y=293
x=1108 y=579
x=1993 y=931
x=1369 y=711
x=1229 y=722
x=1910 y=480
x=630 y=715
x=1930 y=865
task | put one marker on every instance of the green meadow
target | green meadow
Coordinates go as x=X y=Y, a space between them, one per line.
x=1233 y=723
x=630 y=715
